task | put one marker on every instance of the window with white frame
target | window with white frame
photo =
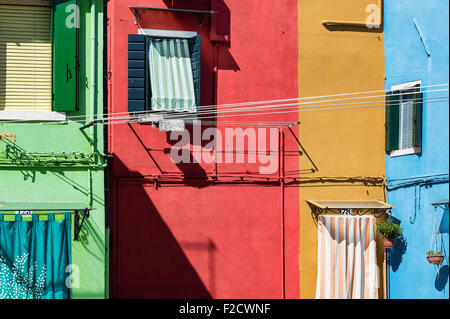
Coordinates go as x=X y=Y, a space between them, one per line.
x=404 y=119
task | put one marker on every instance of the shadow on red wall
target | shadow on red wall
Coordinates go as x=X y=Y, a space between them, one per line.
x=148 y=261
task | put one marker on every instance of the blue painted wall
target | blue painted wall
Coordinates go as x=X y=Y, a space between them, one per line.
x=416 y=181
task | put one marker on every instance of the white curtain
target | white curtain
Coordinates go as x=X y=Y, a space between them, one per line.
x=346 y=258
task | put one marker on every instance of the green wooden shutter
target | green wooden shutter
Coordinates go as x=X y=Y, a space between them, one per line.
x=65 y=55
x=417 y=117
x=392 y=124
x=195 y=53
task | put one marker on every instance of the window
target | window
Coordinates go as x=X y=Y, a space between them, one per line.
x=38 y=64
x=25 y=58
x=164 y=71
x=404 y=119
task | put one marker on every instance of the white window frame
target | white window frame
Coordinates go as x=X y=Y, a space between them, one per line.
x=411 y=150
x=167 y=33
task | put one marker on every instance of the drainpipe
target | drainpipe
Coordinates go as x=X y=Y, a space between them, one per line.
x=92 y=92
x=281 y=174
x=387 y=283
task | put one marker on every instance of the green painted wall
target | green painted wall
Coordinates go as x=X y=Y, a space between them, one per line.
x=22 y=179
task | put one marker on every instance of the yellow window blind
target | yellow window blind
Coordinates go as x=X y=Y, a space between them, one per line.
x=25 y=58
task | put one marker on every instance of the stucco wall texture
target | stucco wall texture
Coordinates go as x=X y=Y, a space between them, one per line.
x=341 y=143
x=411 y=276
x=199 y=239
x=31 y=183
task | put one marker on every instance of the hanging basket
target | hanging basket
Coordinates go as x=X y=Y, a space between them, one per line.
x=389 y=242
x=435 y=256
x=436 y=260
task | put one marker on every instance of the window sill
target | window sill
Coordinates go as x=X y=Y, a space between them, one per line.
x=32 y=116
x=406 y=151
x=158 y=116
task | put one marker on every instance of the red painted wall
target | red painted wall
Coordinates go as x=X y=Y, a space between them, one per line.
x=188 y=237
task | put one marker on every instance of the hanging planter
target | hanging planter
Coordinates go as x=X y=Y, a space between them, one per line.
x=390 y=233
x=435 y=257
x=389 y=242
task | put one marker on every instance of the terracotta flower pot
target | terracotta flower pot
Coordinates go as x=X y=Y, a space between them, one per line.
x=435 y=260
x=389 y=242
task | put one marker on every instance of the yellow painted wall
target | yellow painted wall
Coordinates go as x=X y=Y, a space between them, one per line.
x=341 y=143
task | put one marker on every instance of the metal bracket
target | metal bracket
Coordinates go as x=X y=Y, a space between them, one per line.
x=315 y=169
x=443 y=205
x=77 y=224
x=93 y=122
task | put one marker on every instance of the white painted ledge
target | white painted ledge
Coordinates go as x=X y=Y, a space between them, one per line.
x=406 y=151
x=32 y=116
x=168 y=33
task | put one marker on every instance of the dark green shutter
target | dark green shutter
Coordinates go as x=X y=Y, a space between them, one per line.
x=65 y=56
x=392 y=124
x=195 y=53
x=138 y=83
x=417 y=133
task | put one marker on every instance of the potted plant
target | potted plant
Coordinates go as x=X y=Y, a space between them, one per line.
x=390 y=233
x=435 y=257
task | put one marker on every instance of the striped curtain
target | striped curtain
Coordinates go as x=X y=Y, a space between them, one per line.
x=347 y=263
x=171 y=79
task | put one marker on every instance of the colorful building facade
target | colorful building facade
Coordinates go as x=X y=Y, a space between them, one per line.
x=217 y=229
x=51 y=84
x=416 y=52
x=246 y=141
x=340 y=51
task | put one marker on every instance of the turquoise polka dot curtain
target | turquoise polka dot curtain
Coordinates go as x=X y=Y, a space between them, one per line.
x=34 y=256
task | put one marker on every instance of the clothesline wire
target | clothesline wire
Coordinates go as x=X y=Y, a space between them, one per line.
x=234 y=106
x=309 y=110
x=281 y=112
x=216 y=113
x=206 y=107
x=284 y=106
x=249 y=106
x=290 y=106
x=219 y=115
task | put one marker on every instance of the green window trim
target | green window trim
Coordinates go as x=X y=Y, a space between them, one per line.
x=392 y=120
